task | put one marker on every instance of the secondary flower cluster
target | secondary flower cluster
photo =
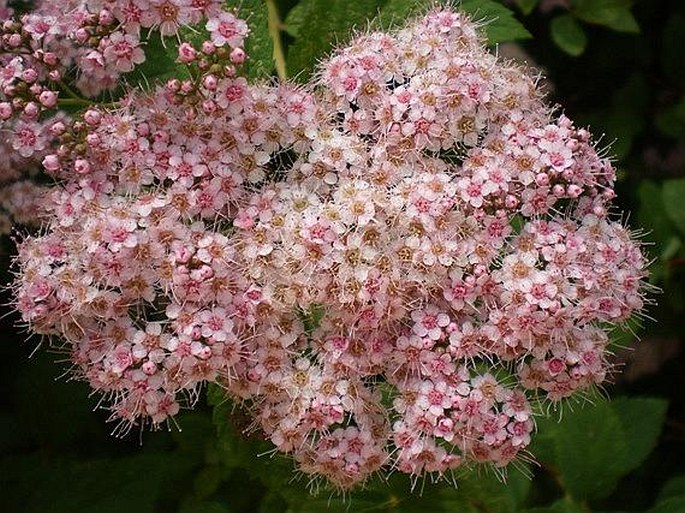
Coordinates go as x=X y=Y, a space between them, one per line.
x=385 y=267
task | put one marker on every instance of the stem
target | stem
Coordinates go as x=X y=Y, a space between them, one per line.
x=74 y=101
x=73 y=95
x=275 y=33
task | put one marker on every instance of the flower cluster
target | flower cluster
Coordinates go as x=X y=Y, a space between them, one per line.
x=387 y=267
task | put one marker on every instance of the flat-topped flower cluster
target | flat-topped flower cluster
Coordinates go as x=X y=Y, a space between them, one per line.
x=387 y=267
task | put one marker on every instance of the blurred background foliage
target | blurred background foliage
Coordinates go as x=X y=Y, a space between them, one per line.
x=617 y=66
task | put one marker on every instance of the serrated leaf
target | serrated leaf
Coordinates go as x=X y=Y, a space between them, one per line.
x=673 y=195
x=592 y=448
x=258 y=45
x=500 y=23
x=318 y=25
x=568 y=35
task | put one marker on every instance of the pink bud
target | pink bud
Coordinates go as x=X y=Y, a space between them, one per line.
x=54 y=75
x=186 y=86
x=92 y=117
x=29 y=75
x=208 y=47
x=542 y=179
x=173 y=85
x=511 y=201
x=48 y=99
x=186 y=53
x=81 y=35
x=599 y=211
x=50 y=59
x=14 y=40
x=51 y=163
x=5 y=110
x=106 y=17
x=204 y=353
x=558 y=191
x=82 y=166
x=238 y=56
x=93 y=139
x=31 y=110
x=573 y=190
x=183 y=254
x=149 y=368
x=208 y=107
x=210 y=82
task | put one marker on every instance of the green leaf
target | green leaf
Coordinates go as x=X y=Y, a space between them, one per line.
x=258 y=45
x=500 y=24
x=565 y=505
x=527 y=6
x=318 y=25
x=672 y=48
x=642 y=419
x=675 y=487
x=624 y=22
x=592 y=448
x=671 y=505
x=396 y=12
x=673 y=196
x=614 y=14
x=568 y=35
x=652 y=214
x=160 y=62
x=135 y=484
x=487 y=492
x=672 y=120
x=241 y=449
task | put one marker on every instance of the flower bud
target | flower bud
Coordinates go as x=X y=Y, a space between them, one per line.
x=82 y=166
x=81 y=35
x=31 y=110
x=105 y=17
x=208 y=47
x=6 y=110
x=50 y=59
x=92 y=117
x=573 y=190
x=48 y=99
x=29 y=75
x=51 y=163
x=14 y=41
x=210 y=82
x=238 y=56
x=186 y=53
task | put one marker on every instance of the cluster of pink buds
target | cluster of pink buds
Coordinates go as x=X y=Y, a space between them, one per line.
x=389 y=268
